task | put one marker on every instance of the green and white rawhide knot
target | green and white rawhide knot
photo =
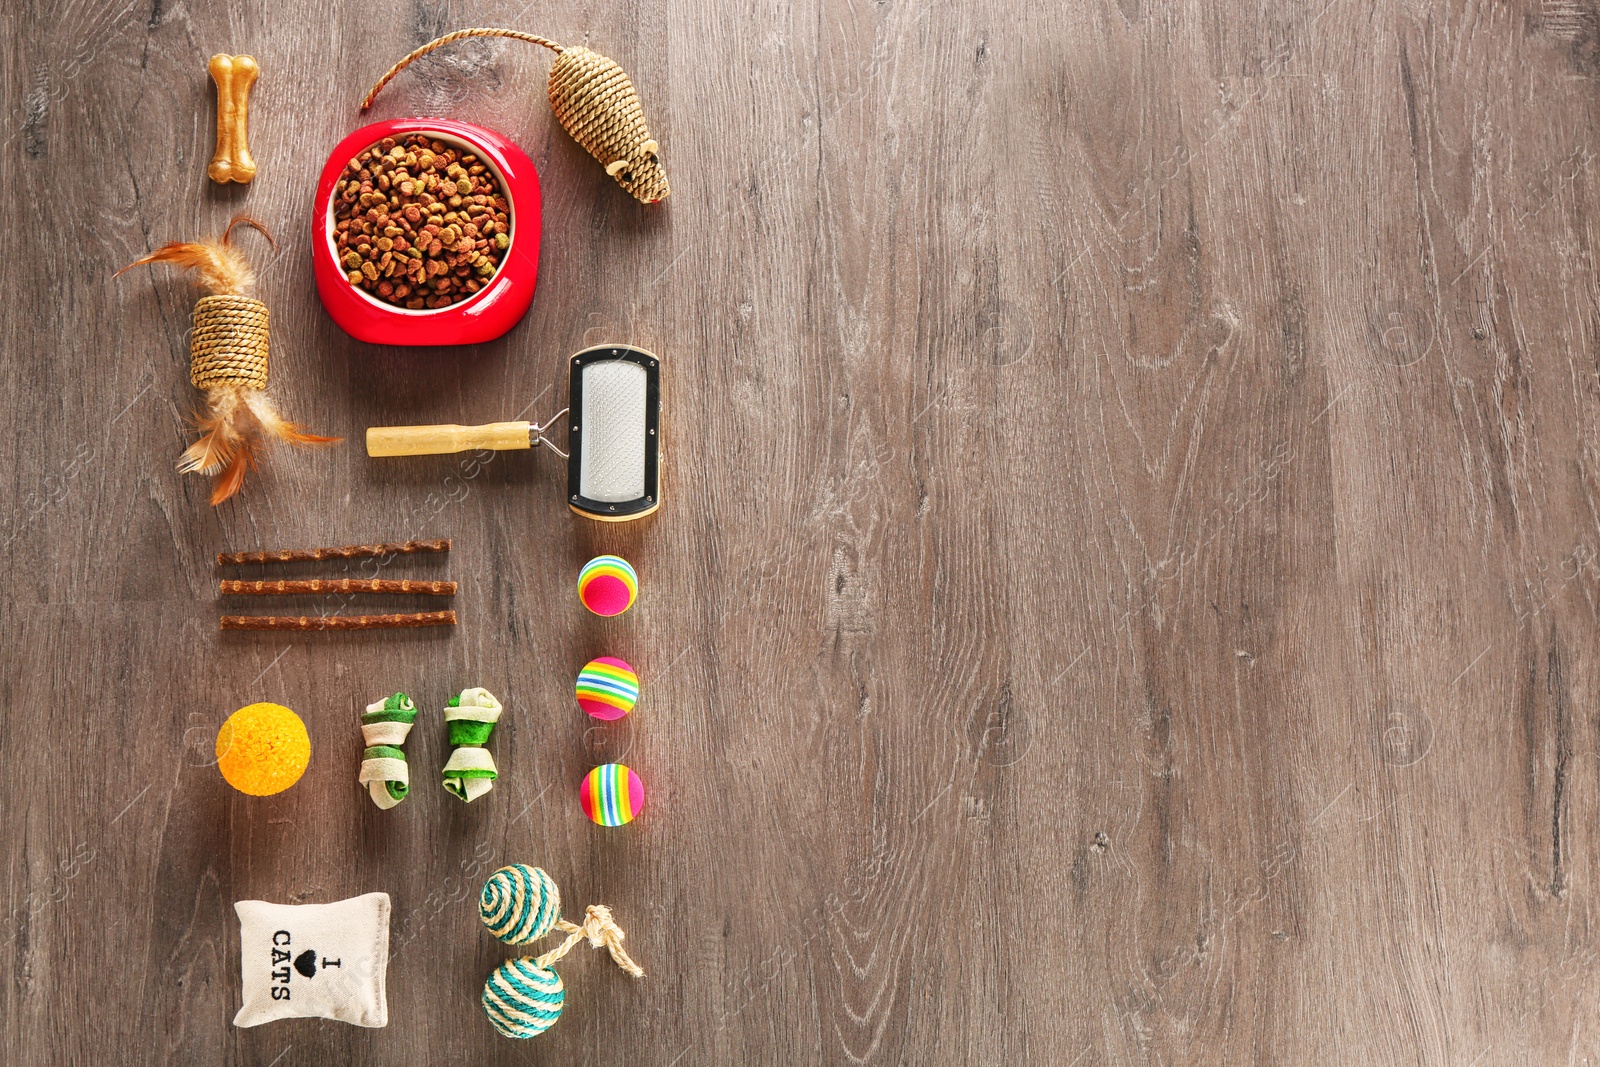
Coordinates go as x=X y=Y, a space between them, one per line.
x=470 y=771
x=384 y=727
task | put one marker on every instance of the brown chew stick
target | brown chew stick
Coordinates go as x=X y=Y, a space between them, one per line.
x=336 y=585
x=390 y=548
x=337 y=622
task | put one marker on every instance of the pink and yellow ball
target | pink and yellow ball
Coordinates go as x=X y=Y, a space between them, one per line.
x=608 y=585
x=607 y=688
x=611 y=794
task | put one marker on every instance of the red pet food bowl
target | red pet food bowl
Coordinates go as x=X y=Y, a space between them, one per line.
x=483 y=316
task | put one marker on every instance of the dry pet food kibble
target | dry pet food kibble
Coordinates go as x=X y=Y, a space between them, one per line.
x=419 y=223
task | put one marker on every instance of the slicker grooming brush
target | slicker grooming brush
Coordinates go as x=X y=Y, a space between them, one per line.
x=594 y=100
x=613 y=434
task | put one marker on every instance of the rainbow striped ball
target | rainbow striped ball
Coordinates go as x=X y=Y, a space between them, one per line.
x=611 y=794
x=607 y=688
x=523 y=999
x=519 y=904
x=607 y=585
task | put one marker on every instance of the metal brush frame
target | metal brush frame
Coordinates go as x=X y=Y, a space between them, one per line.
x=606 y=510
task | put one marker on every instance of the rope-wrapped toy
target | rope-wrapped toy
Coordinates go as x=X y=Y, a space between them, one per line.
x=228 y=361
x=520 y=904
x=594 y=100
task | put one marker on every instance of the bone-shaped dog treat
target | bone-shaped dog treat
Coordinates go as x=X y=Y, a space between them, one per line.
x=234 y=76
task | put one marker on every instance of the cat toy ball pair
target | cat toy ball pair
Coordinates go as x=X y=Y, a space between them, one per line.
x=520 y=904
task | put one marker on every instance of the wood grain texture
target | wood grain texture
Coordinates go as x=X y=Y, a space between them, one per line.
x=1126 y=588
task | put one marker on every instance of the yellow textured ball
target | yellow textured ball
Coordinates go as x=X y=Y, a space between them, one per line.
x=263 y=749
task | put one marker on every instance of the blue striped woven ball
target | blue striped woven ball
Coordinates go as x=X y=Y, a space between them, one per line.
x=523 y=999
x=519 y=904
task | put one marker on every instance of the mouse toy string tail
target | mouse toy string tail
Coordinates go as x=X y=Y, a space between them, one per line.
x=451 y=38
x=593 y=99
x=601 y=931
x=228 y=361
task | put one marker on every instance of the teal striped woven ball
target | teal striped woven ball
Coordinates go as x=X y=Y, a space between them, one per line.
x=523 y=999
x=519 y=904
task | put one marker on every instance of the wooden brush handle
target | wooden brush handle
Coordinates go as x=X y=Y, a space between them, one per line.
x=231 y=587
x=436 y=440
x=312 y=555
x=337 y=622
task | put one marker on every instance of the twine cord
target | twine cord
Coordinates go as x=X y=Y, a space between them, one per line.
x=447 y=39
x=229 y=344
x=601 y=931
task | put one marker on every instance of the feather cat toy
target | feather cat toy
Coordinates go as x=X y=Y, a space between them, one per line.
x=228 y=360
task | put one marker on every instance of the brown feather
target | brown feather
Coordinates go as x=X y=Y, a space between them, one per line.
x=221 y=270
x=267 y=416
x=219 y=437
x=296 y=435
x=231 y=479
x=207 y=455
x=221 y=267
x=242 y=219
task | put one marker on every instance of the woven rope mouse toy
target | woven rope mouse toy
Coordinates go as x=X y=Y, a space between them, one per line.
x=593 y=100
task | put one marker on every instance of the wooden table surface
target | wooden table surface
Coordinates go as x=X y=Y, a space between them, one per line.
x=1126 y=591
